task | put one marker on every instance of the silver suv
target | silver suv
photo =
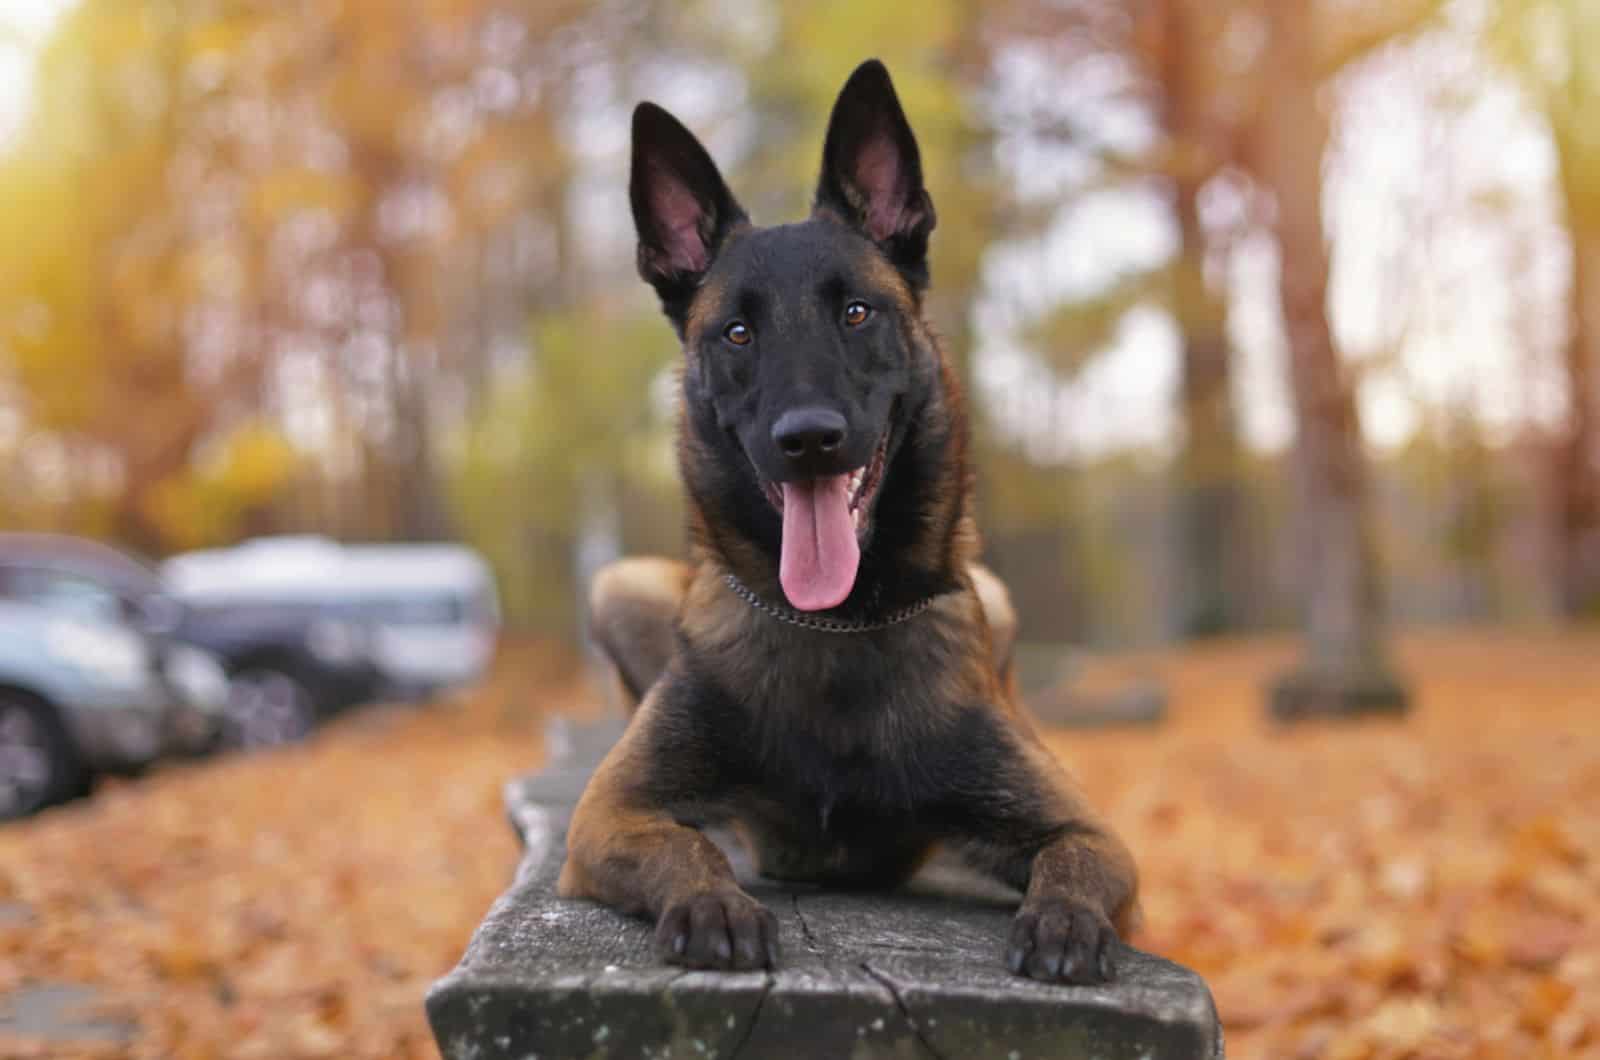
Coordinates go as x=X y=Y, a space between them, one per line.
x=81 y=695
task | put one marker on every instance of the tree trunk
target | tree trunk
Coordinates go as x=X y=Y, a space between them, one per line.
x=1212 y=575
x=1577 y=478
x=1210 y=556
x=1344 y=669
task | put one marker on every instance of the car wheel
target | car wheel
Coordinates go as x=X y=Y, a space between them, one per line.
x=267 y=708
x=38 y=763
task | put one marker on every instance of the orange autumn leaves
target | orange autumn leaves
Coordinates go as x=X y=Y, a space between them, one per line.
x=1422 y=888
x=292 y=904
x=1388 y=889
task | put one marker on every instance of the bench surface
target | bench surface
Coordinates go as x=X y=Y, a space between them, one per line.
x=913 y=974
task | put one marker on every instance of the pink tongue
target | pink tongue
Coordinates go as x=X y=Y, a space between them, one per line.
x=820 y=552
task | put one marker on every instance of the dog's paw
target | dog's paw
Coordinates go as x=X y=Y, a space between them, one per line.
x=725 y=931
x=1062 y=942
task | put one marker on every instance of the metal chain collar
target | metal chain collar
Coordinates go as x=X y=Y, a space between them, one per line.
x=823 y=625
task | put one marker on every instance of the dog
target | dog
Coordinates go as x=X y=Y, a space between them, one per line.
x=829 y=676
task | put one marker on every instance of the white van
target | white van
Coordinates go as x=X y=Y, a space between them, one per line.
x=429 y=613
x=433 y=611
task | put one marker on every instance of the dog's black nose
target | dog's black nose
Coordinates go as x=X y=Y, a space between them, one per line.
x=806 y=435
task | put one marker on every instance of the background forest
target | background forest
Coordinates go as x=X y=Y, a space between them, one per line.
x=1231 y=283
x=1276 y=317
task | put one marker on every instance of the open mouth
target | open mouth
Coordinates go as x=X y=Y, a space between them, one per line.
x=861 y=487
x=825 y=521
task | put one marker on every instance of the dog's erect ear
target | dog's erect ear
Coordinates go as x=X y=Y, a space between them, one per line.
x=872 y=171
x=681 y=207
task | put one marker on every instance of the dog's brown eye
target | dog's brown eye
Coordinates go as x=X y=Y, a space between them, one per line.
x=856 y=313
x=737 y=334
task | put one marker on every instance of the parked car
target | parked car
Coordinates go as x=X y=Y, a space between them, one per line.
x=82 y=692
x=429 y=613
x=288 y=665
x=434 y=614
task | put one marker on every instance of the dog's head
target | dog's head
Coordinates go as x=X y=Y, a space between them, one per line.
x=807 y=362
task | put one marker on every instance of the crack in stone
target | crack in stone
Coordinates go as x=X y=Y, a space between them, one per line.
x=805 y=928
x=755 y=1015
x=899 y=1003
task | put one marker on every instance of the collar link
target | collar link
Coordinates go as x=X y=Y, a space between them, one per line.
x=824 y=625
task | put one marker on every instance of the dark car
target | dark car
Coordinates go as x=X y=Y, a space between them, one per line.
x=288 y=666
x=84 y=692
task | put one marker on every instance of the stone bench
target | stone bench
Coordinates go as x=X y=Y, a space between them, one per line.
x=905 y=975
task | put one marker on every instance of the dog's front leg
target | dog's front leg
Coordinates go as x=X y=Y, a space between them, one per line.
x=1080 y=887
x=1036 y=832
x=627 y=848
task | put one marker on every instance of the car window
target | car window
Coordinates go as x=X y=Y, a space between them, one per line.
x=420 y=610
x=64 y=593
x=397 y=609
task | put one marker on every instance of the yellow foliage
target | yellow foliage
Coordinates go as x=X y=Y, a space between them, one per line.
x=203 y=505
x=256 y=462
x=220 y=38
x=287 y=191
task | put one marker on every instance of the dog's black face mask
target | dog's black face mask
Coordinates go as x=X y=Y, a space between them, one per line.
x=802 y=369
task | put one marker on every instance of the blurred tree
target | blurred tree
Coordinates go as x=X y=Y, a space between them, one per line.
x=237 y=219
x=1345 y=667
x=937 y=60
x=98 y=268
x=579 y=419
x=1178 y=68
x=1197 y=80
x=1553 y=47
x=216 y=497
x=1210 y=77
x=330 y=266
x=564 y=458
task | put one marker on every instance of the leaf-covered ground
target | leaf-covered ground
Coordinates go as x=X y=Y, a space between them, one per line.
x=1419 y=889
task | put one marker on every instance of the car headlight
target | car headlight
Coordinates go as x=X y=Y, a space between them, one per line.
x=199 y=678
x=336 y=643
x=113 y=654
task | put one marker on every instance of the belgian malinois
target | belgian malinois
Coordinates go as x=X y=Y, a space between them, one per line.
x=829 y=675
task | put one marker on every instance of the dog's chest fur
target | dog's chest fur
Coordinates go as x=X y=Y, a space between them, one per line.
x=841 y=755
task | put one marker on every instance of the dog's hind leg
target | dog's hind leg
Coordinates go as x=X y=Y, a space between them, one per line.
x=1000 y=615
x=633 y=604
